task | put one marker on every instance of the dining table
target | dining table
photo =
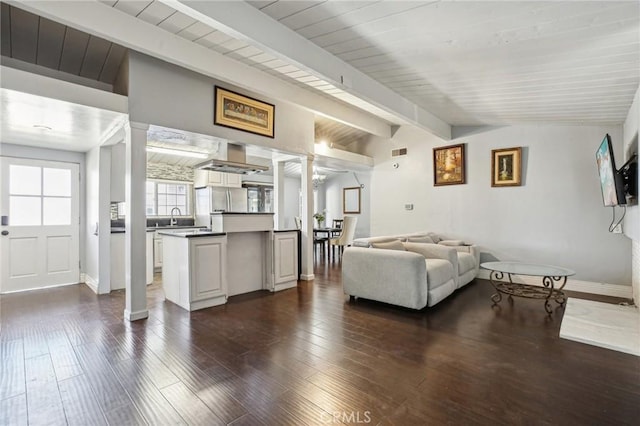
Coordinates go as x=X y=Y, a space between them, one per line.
x=330 y=232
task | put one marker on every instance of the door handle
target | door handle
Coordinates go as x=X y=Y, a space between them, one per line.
x=5 y=232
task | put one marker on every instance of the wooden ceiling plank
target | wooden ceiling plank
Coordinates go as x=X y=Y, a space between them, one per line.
x=176 y=22
x=95 y=57
x=156 y=12
x=5 y=28
x=373 y=12
x=112 y=64
x=24 y=35
x=282 y=9
x=73 y=49
x=132 y=7
x=320 y=12
x=50 y=42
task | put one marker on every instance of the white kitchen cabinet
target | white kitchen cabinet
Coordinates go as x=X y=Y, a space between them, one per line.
x=157 y=251
x=118 y=261
x=117 y=172
x=233 y=180
x=285 y=260
x=194 y=273
x=204 y=178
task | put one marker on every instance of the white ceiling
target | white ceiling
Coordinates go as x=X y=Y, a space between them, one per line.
x=50 y=123
x=468 y=63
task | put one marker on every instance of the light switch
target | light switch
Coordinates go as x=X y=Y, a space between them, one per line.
x=408 y=206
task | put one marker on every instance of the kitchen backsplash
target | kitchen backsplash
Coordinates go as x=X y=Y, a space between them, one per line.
x=170 y=172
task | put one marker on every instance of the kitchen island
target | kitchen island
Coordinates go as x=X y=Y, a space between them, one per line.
x=248 y=256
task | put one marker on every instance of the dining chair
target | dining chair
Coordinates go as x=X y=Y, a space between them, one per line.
x=336 y=224
x=345 y=238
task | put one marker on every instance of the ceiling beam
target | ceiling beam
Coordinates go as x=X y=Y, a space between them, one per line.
x=242 y=21
x=99 y=19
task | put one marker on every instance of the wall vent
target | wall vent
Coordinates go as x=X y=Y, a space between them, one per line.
x=398 y=152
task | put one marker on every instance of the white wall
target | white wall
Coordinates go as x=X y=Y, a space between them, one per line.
x=333 y=199
x=555 y=217
x=92 y=215
x=167 y=95
x=632 y=219
x=12 y=150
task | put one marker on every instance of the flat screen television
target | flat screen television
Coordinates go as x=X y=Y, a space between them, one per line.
x=610 y=180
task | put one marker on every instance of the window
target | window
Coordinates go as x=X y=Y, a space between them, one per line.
x=163 y=196
x=39 y=196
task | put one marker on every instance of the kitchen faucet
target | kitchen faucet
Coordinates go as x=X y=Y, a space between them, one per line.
x=173 y=220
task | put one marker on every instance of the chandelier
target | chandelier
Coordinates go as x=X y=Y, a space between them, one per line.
x=317 y=180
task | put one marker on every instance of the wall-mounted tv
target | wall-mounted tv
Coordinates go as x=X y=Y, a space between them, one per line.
x=610 y=180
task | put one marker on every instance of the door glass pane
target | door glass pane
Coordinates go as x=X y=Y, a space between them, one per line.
x=24 y=211
x=24 y=180
x=56 y=211
x=56 y=182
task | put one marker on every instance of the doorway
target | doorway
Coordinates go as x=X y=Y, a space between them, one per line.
x=39 y=205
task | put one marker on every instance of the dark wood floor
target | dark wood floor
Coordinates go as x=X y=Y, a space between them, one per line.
x=303 y=356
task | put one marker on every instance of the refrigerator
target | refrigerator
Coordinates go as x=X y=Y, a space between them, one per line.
x=215 y=199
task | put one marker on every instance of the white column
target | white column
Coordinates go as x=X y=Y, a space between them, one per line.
x=135 y=222
x=306 y=185
x=278 y=194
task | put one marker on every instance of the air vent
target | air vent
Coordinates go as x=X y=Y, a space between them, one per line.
x=398 y=152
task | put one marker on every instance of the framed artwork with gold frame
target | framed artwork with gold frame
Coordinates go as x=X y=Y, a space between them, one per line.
x=506 y=167
x=241 y=112
x=449 y=165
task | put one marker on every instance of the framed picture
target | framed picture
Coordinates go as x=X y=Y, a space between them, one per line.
x=351 y=200
x=506 y=166
x=448 y=165
x=243 y=113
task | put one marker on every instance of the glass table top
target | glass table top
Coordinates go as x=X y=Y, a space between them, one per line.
x=533 y=269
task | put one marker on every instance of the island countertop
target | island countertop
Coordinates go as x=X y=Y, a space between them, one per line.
x=243 y=213
x=190 y=233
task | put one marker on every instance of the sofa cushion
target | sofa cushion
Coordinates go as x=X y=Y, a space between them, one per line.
x=451 y=242
x=439 y=272
x=389 y=245
x=466 y=262
x=424 y=239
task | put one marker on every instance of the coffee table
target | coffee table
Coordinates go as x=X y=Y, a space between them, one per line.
x=551 y=275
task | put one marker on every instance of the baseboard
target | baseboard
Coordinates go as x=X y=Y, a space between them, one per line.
x=134 y=316
x=90 y=282
x=603 y=289
x=309 y=277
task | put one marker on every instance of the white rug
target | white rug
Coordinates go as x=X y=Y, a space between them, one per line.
x=609 y=326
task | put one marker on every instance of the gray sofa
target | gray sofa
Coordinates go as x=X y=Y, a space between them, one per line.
x=408 y=270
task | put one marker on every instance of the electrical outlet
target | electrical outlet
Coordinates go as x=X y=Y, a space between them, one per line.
x=408 y=206
x=617 y=229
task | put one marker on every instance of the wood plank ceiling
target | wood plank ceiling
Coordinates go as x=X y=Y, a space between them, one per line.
x=466 y=62
x=36 y=40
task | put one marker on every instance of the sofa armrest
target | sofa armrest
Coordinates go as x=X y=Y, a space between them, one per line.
x=390 y=276
x=473 y=249
x=434 y=251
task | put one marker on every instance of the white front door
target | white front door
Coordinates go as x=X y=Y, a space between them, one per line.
x=40 y=224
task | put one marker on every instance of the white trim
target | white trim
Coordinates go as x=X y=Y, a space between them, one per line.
x=90 y=282
x=591 y=287
x=305 y=277
x=134 y=316
x=39 y=288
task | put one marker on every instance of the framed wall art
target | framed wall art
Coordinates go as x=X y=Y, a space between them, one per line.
x=506 y=167
x=449 y=165
x=351 y=200
x=243 y=113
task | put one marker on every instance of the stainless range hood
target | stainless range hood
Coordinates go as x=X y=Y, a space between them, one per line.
x=236 y=162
